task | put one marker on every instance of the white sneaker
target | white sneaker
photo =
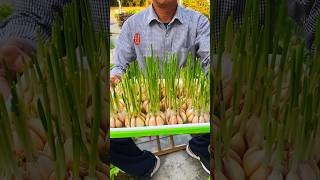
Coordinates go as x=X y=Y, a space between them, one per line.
x=203 y=161
x=156 y=167
x=191 y=153
x=150 y=174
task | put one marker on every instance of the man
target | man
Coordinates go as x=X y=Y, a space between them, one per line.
x=18 y=32
x=170 y=28
x=304 y=12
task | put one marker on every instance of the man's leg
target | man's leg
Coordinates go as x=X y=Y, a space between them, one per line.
x=198 y=149
x=126 y=155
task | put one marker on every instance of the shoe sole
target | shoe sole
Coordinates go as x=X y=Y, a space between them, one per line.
x=191 y=153
x=156 y=167
x=204 y=167
x=197 y=158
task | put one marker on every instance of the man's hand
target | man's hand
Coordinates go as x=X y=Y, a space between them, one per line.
x=13 y=55
x=114 y=80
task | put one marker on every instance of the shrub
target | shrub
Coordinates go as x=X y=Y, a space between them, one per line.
x=125 y=15
x=132 y=11
x=122 y=17
x=5 y=11
x=128 y=3
x=202 y=6
x=113 y=3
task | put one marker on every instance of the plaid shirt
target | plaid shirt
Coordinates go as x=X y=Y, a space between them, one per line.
x=304 y=12
x=31 y=16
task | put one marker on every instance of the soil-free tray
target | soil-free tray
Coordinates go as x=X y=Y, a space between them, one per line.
x=160 y=130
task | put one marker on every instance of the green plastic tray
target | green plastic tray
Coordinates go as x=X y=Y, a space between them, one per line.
x=160 y=130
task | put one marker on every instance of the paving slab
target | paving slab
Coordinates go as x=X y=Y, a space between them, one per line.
x=180 y=166
x=174 y=166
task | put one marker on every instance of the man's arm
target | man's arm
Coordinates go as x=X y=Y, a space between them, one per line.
x=203 y=42
x=18 y=35
x=100 y=14
x=305 y=13
x=30 y=17
x=310 y=23
x=125 y=52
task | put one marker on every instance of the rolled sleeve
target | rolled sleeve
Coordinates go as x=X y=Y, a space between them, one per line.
x=125 y=52
x=203 y=42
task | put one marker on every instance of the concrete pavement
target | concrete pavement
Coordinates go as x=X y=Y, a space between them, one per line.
x=175 y=166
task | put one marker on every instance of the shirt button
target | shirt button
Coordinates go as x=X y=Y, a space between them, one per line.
x=167 y=35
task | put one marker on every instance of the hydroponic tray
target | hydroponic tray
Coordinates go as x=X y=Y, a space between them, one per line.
x=160 y=130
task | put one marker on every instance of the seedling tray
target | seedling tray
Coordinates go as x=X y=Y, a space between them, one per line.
x=160 y=130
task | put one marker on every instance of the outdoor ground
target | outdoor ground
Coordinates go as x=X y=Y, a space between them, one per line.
x=174 y=166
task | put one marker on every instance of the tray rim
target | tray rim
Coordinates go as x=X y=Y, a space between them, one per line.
x=198 y=128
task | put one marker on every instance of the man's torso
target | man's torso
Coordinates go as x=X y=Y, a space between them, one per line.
x=178 y=37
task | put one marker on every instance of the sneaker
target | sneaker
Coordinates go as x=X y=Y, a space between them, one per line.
x=149 y=174
x=205 y=161
x=152 y=172
x=156 y=167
